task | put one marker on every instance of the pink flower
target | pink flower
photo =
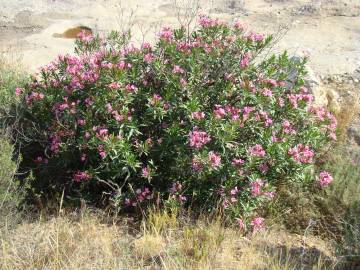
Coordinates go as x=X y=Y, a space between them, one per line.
x=198 y=138
x=281 y=102
x=127 y=202
x=39 y=159
x=145 y=45
x=308 y=98
x=271 y=82
x=101 y=151
x=198 y=115
x=219 y=112
x=155 y=99
x=256 y=187
x=258 y=224
x=87 y=135
x=109 y=108
x=85 y=36
x=255 y=37
x=81 y=176
x=206 y=21
x=281 y=83
x=143 y=194
x=176 y=187
x=89 y=102
x=236 y=162
x=81 y=122
x=234 y=191
x=19 y=91
x=175 y=190
x=245 y=60
x=269 y=194
x=196 y=164
x=287 y=127
x=233 y=111
x=324 y=179
x=332 y=135
x=121 y=65
x=102 y=133
x=293 y=100
x=145 y=172
x=263 y=167
x=83 y=157
x=262 y=115
x=34 y=96
x=55 y=143
x=267 y=92
x=240 y=223
x=118 y=117
x=166 y=34
x=301 y=153
x=246 y=112
x=257 y=151
x=226 y=204
x=333 y=122
x=183 y=81
x=238 y=25
x=148 y=58
x=114 y=85
x=274 y=137
x=130 y=88
x=177 y=69
x=304 y=90
x=214 y=160
x=182 y=46
x=166 y=106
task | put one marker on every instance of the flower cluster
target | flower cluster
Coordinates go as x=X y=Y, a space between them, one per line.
x=324 y=179
x=302 y=153
x=198 y=138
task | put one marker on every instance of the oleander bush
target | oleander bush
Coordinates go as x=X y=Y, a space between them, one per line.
x=197 y=119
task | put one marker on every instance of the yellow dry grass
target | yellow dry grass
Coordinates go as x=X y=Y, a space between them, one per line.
x=160 y=243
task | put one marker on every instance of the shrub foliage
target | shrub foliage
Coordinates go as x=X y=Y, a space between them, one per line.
x=202 y=119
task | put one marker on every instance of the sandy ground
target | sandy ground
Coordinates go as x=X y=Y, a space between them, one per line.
x=329 y=30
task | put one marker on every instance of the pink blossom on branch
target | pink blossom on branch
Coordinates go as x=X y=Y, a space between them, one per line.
x=240 y=223
x=148 y=58
x=81 y=176
x=324 y=179
x=198 y=138
x=219 y=112
x=214 y=160
x=258 y=224
x=302 y=153
x=198 y=115
x=237 y=162
x=166 y=34
x=257 y=151
x=19 y=91
x=177 y=70
x=255 y=187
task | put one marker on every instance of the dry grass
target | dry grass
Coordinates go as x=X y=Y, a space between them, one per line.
x=161 y=243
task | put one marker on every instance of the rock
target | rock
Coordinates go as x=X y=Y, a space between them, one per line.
x=314 y=84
